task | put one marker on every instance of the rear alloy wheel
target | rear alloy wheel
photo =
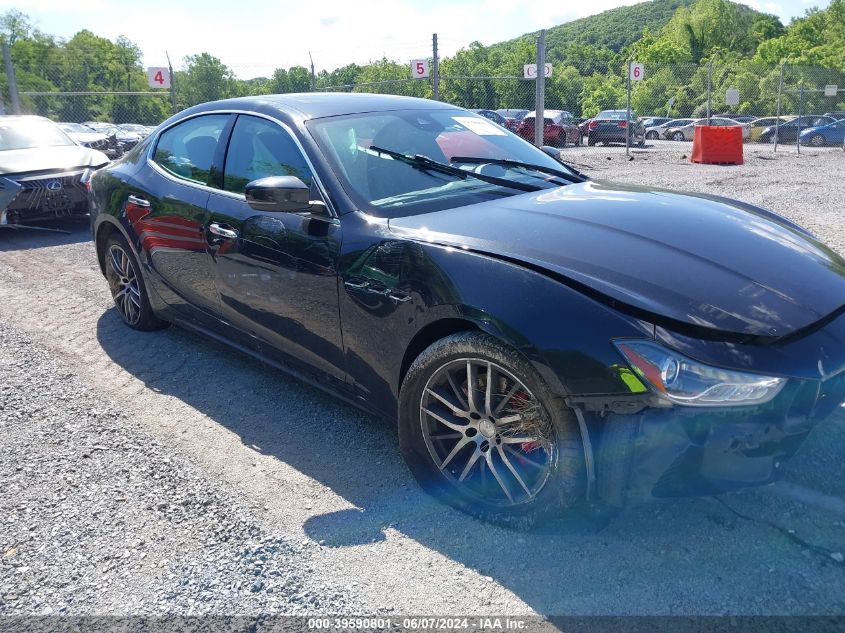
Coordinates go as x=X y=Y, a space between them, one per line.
x=678 y=136
x=817 y=140
x=481 y=430
x=652 y=136
x=127 y=287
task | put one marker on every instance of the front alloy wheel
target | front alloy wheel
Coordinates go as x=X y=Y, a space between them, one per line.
x=480 y=429
x=817 y=140
x=486 y=432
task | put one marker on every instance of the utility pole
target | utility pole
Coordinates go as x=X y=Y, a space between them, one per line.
x=628 y=112
x=172 y=83
x=540 y=90
x=435 y=69
x=780 y=92
x=313 y=76
x=11 y=80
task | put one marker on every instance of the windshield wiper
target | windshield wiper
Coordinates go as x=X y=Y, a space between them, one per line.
x=576 y=176
x=428 y=164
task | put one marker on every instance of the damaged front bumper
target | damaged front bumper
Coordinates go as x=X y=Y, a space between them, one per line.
x=28 y=198
x=690 y=451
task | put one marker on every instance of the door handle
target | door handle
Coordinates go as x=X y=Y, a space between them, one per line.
x=138 y=202
x=221 y=231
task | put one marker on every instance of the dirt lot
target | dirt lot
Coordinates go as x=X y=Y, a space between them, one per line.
x=161 y=472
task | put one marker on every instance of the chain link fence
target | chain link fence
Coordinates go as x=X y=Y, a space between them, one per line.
x=774 y=103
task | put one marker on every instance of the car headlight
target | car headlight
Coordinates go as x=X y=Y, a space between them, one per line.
x=685 y=381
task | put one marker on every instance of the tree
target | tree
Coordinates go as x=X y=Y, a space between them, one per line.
x=205 y=78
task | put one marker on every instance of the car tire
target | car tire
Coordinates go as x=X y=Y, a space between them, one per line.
x=652 y=136
x=591 y=141
x=818 y=140
x=678 y=136
x=127 y=286
x=578 y=139
x=461 y=449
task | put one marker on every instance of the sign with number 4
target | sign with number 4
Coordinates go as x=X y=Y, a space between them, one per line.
x=419 y=69
x=637 y=71
x=158 y=77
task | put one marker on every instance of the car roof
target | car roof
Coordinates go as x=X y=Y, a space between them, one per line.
x=315 y=105
x=22 y=117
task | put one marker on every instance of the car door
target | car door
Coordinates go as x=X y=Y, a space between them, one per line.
x=276 y=273
x=167 y=210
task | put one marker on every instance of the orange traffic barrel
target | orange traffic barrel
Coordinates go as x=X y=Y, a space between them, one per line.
x=717 y=145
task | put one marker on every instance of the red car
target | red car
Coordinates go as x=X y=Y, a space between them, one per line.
x=558 y=130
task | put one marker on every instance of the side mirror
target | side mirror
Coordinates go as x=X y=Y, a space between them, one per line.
x=278 y=193
x=554 y=152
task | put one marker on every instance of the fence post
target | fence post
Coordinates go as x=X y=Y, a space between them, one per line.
x=709 y=88
x=435 y=69
x=780 y=92
x=11 y=80
x=800 y=114
x=172 y=83
x=540 y=90
x=313 y=76
x=628 y=112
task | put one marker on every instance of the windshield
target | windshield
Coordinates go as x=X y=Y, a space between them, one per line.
x=75 y=127
x=25 y=134
x=615 y=115
x=387 y=187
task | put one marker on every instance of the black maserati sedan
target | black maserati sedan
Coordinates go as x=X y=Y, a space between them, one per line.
x=540 y=338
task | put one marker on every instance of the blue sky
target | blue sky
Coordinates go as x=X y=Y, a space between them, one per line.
x=255 y=36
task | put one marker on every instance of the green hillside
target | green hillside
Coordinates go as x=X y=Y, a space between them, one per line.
x=613 y=29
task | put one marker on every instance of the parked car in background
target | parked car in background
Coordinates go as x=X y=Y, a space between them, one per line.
x=687 y=132
x=614 y=126
x=512 y=116
x=530 y=332
x=759 y=125
x=838 y=114
x=491 y=115
x=142 y=131
x=43 y=172
x=655 y=132
x=558 y=130
x=818 y=136
x=654 y=121
x=788 y=132
x=87 y=137
x=739 y=118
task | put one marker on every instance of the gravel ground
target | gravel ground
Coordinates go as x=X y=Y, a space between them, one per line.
x=161 y=472
x=100 y=517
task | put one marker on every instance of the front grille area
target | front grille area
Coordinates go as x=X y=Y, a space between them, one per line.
x=99 y=144
x=46 y=196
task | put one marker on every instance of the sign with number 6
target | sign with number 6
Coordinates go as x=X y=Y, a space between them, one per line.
x=158 y=77
x=419 y=68
x=637 y=71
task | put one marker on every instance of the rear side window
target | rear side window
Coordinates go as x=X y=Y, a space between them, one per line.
x=258 y=149
x=187 y=150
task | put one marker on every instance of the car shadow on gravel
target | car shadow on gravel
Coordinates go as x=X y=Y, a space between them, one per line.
x=688 y=556
x=59 y=232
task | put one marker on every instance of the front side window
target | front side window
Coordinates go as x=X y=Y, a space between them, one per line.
x=260 y=148
x=186 y=150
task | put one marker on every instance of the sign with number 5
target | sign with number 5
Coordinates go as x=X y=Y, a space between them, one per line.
x=419 y=69
x=637 y=71
x=158 y=77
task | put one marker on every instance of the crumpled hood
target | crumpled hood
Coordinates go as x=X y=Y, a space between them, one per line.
x=700 y=261
x=65 y=157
